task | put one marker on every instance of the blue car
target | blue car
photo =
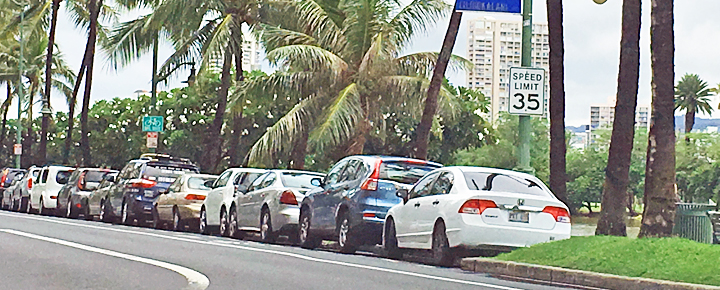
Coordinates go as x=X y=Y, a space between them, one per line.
x=351 y=203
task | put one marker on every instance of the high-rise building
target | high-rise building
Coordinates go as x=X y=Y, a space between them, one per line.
x=251 y=52
x=494 y=46
x=603 y=115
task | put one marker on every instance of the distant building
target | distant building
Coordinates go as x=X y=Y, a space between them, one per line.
x=494 y=46
x=251 y=56
x=603 y=115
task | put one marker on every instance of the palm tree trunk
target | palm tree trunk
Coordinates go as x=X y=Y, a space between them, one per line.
x=614 y=200
x=689 y=122
x=5 y=108
x=237 y=118
x=42 y=151
x=94 y=8
x=299 y=151
x=558 y=148
x=29 y=140
x=71 y=111
x=212 y=152
x=422 y=136
x=660 y=189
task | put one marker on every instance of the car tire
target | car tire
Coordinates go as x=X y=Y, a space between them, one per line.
x=30 y=209
x=156 y=222
x=390 y=242
x=24 y=204
x=125 y=214
x=43 y=210
x=13 y=206
x=86 y=214
x=345 y=237
x=305 y=237
x=223 y=223
x=442 y=255
x=233 y=230
x=266 y=230
x=104 y=214
x=203 y=227
x=69 y=212
x=178 y=224
x=2 y=201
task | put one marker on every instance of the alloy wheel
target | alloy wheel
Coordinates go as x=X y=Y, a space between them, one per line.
x=441 y=247
x=203 y=221
x=223 y=223
x=390 y=243
x=266 y=230
x=176 y=220
x=233 y=226
x=68 y=211
x=125 y=214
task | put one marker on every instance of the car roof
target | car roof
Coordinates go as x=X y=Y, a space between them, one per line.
x=201 y=175
x=251 y=170
x=290 y=171
x=397 y=158
x=489 y=170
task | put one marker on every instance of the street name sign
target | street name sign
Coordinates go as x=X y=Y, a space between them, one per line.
x=527 y=91
x=152 y=140
x=152 y=124
x=508 y=6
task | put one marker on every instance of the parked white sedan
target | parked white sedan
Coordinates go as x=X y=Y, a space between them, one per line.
x=270 y=206
x=214 y=211
x=474 y=208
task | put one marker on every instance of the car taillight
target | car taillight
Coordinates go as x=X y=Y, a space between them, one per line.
x=2 y=180
x=288 y=197
x=476 y=206
x=194 y=197
x=372 y=182
x=80 y=182
x=29 y=183
x=560 y=214
x=143 y=183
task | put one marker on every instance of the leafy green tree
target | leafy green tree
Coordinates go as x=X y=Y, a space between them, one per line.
x=691 y=95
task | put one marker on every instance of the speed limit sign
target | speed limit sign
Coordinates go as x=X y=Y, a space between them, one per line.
x=527 y=91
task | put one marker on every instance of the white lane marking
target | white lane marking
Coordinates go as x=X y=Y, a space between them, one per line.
x=298 y=256
x=196 y=280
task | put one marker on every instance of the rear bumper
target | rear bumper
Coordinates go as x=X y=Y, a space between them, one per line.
x=471 y=233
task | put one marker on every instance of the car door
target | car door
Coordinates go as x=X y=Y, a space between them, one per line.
x=257 y=198
x=245 y=200
x=168 y=199
x=39 y=188
x=406 y=216
x=430 y=206
x=214 y=199
x=323 y=215
x=116 y=193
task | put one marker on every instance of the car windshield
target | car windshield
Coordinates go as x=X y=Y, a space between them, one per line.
x=164 y=173
x=95 y=175
x=62 y=176
x=299 y=180
x=497 y=182
x=404 y=171
x=198 y=183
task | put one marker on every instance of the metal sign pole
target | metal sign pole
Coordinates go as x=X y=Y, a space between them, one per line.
x=20 y=88
x=525 y=126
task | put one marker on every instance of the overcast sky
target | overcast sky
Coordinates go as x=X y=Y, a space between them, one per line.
x=592 y=38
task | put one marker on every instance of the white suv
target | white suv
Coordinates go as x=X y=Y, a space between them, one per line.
x=43 y=197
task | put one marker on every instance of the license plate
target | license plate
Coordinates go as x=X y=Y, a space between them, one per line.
x=519 y=217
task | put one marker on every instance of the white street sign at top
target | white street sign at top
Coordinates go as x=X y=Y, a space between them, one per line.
x=527 y=91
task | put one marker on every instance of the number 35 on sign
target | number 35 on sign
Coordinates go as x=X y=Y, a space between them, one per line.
x=527 y=91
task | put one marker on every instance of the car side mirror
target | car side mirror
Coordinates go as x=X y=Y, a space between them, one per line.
x=402 y=193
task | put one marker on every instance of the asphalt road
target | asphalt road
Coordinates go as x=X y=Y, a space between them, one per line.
x=53 y=253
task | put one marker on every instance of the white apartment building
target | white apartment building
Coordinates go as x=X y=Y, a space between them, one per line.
x=603 y=115
x=494 y=46
x=251 y=57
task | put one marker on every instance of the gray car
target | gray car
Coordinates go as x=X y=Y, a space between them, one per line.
x=74 y=197
x=7 y=194
x=21 y=193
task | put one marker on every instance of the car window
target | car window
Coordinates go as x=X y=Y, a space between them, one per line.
x=95 y=175
x=135 y=170
x=407 y=172
x=164 y=173
x=334 y=174
x=125 y=172
x=223 y=179
x=75 y=176
x=351 y=171
x=175 y=186
x=44 y=176
x=246 y=180
x=498 y=182
x=257 y=183
x=443 y=184
x=299 y=179
x=198 y=183
x=422 y=188
x=62 y=176
x=268 y=181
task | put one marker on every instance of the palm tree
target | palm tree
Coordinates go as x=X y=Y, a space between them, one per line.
x=558 y=148
x=612 y=219
x=660 y=190
x=42 y=151
x=691 y=95
x=345 y=60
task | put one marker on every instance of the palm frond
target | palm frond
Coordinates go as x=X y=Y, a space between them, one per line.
x=308 y=57
x=423 y=63
x=340 y=119
x=416 y=17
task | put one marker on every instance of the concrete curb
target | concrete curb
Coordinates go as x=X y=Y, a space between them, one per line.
x=573 y=277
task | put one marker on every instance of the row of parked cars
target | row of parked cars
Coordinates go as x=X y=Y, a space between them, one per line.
x=400 y=203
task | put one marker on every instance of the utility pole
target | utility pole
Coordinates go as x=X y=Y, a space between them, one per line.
x=153 y=94
x=525 y=126
x=20 y=88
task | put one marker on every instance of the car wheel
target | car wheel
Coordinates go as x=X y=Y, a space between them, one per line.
x=223 y=223
x=69 y=212
x=202 y=227
x=86 y=213
x=345 y=239
x=30 y=209
x=125 y=215
x=266 y=230
x=178 y=224
x=24 y=202
x=305 y=238
x=43 y=210
x=156 y=223
x=441 y=253
x=13 y=205
x=390 y=242
x=104 y=217
x=233 y=230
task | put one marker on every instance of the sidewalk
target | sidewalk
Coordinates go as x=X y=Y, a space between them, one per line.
x=573 y=277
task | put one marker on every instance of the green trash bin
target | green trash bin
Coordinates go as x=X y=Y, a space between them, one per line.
x=692 y=222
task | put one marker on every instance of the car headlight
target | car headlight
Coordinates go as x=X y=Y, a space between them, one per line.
x=138 y=197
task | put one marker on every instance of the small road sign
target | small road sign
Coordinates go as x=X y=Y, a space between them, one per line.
x=152 y=140
x=17 y=149
x=152 y=124
x=527 y=91
x=509 y=6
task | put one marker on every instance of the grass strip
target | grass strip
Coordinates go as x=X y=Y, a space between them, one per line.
x=672 y=259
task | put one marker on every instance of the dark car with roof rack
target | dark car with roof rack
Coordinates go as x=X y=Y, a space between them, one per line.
x=138 y=185
x=351 y=203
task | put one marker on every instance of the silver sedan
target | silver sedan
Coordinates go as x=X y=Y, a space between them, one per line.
x=270 y=206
